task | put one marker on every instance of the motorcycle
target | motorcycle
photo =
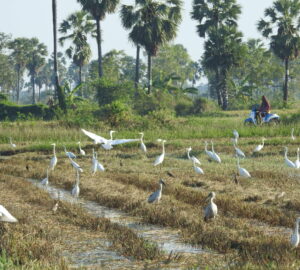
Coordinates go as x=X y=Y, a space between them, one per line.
x=266 y=118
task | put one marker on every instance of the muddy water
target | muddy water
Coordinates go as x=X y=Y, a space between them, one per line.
x=99 y=253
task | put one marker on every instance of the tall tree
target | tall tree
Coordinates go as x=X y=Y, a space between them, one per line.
x=58 y=90
x=281 y=26
x=19 y=47
x=36 y=59
x=153 y=24
x=216 y=19
x=76 y=28
x=98 y=9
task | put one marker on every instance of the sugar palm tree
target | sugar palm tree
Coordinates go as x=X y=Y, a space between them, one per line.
x=76 y=28
x=19 y=47
x=98 y=9
x=58 y=90
x=215 y=14
x=36 y=53
x=281 y=26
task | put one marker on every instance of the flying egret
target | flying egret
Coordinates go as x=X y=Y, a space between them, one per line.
x=69 y=154
x=197 y=169
x=156 y=196
x=211 y=210
x=297 y=162
x=11 y=143
x=292 y=134
x=192 y=158
x=238 y=151
x=75 y=191
x=209 y=153
x=75 y=165
x=260 y=146
x=107 y=144
x=53 y=160
x=295 y=235
x=81 y=151
x=6 y=216
x=45 y=181
x=159 y=160
x=215 y=156
x=288 y=162
x=143 y=146
x=242 y=171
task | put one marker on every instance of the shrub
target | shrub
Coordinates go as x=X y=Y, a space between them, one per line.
x=202 y=105
x=184 y=107
x=162 y=117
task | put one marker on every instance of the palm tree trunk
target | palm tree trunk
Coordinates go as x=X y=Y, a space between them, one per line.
x=218 y=88
x=149 y=73
x=224 y=90
x=137 y=67
x=80 y=79
x=33 y=88
x=39 y=92
x=18 y=85
x=58 y=92
x=286 y=80
x=100 y=68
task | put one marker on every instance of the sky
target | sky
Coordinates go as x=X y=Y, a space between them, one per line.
x=33 y=18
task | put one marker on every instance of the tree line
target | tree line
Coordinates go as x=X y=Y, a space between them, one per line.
x=236 y=71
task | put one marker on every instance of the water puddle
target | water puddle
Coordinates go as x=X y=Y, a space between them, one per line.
x=167 y=239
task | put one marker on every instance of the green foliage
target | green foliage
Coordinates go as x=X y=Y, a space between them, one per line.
x=107 y=91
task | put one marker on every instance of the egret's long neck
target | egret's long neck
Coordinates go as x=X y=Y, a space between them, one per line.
x=160 y=186
x=163 y=147
x=212 y=147
x=263 y=142
x=285 y=153
x=54 y=150
x=188 y=154
x=111 y=133
x=206 y=147
x=142 y=136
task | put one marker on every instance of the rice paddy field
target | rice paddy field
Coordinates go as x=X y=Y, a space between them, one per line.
x=111 y=225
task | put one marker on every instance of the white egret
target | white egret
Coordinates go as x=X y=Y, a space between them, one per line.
x=53 y=160
x=45 y=181
x=209 y=153
x=297 y=162
x=69 y=154
x=75 y=165
x=242 y=171
x=107 y=144
x=236 y=136
x=215 y=156
x=260 y=146
x=81 y=151
x=197 y=169
x=192 y=158
x=143 y=146
x=292 y=134
x=156 y=196
x=75 y=191
x=11 y=143
x=288 y=162
x=295 y=235
x=159 y=160
x=6 y=216
x=238 y=151
x=211 y=210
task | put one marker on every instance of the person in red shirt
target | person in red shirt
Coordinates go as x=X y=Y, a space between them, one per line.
x=264 y=108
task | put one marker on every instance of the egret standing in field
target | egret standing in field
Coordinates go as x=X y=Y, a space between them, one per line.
x=159 y=160
x=156 y=196
x=6 y=216
x=209 y=153
x=75 y=191
x=242 y=172
x=69 y=154
x=259 y=147
x=53 y=160
x=96 y=165
x=295 y=236
x=197 y=169
x=211 y=210
x=236 y=136
x=11 y=143
x=288 y=162
x=45 y=181
x=215 y=156
x=192 y=158
x=143 y=146
x=297 y=162
x=292 y=134
x=81 y=151
x=238 y=151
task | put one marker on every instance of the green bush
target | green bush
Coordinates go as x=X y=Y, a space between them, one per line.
x=162 y=117
x=184 y=107
x=107 y=91
x=203 y=105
